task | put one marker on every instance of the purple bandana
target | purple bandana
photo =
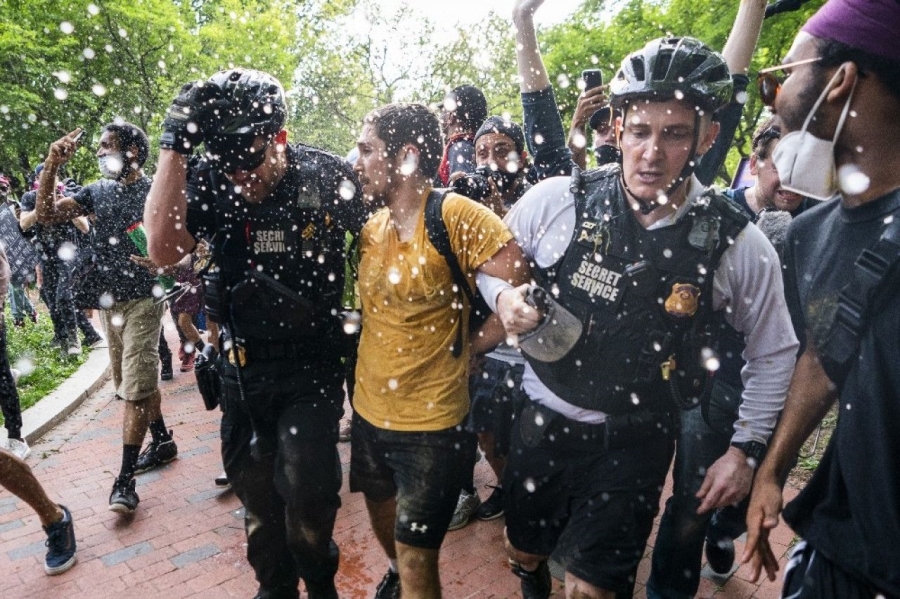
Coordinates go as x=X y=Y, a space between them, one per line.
x=869 y=25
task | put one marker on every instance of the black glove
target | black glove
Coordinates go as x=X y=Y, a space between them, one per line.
x=188 y=118
x=783 y=6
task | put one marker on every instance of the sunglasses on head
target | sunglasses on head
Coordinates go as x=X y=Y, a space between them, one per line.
x=770 y=84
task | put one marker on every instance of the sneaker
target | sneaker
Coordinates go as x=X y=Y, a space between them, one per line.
x=344 y=431
x=92 y=341
x=389 y=587
x=16 y=375
x=123 y=498
x=465 y=508
x=492 y=507
x=165 y=370
x=33 y=316
x=60 y=544
x=719 y=551
x=73 y=346
x=20 y=323
x=535 y=585
x=156 y=454
x=222 y=481
x=18 y=448
x=323 y=589
x=187 y=364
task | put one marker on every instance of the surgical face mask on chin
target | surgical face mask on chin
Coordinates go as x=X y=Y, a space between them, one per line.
x=805 y=163
x=111 y=166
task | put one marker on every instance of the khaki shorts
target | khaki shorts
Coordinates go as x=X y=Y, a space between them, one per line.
x=132 y=329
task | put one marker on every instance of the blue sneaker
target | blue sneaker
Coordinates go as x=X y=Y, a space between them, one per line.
x=60 y=544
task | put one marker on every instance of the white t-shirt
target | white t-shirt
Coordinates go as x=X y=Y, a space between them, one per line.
x=747 y=286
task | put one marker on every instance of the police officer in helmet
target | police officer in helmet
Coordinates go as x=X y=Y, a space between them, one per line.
x=648 y=262
x=277 y=216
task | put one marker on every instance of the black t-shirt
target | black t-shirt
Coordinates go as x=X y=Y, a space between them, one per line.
x=297 y=235
x=850 y=510
x=116 y=208
x=48 y=238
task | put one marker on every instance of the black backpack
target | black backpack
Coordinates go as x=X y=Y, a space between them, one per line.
x=440 y=239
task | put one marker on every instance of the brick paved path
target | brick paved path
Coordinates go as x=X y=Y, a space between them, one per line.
x=186 y=539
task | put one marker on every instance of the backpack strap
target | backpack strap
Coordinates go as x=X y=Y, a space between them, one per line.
x=872 y=273
x=440 y=239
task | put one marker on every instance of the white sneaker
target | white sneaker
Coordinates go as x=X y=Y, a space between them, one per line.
x=74 y=347
x=19 y=448
x=15 y=376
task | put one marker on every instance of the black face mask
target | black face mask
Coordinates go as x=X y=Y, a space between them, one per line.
x=232 y=153
x=607 y=154
x=503 y=178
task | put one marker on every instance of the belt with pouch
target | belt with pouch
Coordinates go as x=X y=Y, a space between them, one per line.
x=248 y=351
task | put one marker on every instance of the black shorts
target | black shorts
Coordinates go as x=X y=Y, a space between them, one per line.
x=494 y=392
x=565 y=491
x=811 y=575
x=423 y=470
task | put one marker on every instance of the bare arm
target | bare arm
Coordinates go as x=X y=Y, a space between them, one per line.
x=810 y=396
x=532 y=74
x=589 y=102
x=27 y=219
x=165 y=213
x=744 y=35
x=50 y=206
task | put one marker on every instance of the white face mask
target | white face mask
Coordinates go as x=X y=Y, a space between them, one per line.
x=111 y=165
x=805 y=163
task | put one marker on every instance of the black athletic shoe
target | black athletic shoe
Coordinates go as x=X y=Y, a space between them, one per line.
x=389 y=587
x=123 y=499
x=222 y=481
x=321 y=589
x=165 y=370
x=92 y=340
x=492 y=507
x=535 y=585
x=60 y=544
x=156 y=454
x=719 y=551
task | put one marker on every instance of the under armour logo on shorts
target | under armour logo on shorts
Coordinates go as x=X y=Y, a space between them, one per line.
x=416 y=527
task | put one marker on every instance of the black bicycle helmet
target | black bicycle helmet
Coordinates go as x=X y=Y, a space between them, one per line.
x=248 y=102
x=673 y=68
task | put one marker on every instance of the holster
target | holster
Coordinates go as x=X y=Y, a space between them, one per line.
x=208 y=382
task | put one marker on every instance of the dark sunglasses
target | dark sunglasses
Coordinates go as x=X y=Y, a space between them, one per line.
x=235 y=154
x=770 y=84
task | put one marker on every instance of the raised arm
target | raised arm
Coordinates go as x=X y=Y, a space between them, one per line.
x=744 y=36
x=165 y=213
x=589 y=102
x=532 y=74
x=50 y=206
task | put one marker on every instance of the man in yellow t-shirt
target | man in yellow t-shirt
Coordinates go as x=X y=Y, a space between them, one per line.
x=410 y=452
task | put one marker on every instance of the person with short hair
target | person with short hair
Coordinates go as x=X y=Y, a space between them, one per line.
x=123 y=290
x=839 y=108
x=646 y=260
x=410 y=452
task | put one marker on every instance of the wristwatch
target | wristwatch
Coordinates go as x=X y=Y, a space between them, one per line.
x=754 y=450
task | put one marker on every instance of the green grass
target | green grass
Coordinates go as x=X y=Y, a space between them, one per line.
x=34 y=344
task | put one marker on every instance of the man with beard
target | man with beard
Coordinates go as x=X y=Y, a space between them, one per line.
x=276 y=217
x=840 y=108
x=123 y=290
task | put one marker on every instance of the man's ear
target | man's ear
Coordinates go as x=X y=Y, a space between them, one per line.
x=709 y=137
x=407 y=160
x=847 y=75
x=754 y=164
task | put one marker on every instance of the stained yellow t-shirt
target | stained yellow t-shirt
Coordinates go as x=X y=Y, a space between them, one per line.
x=406 y=377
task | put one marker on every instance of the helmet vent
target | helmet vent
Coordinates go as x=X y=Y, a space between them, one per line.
x=661 y=67
x=637 y=65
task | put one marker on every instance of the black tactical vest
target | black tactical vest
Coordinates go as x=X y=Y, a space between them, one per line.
x=643 y=296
